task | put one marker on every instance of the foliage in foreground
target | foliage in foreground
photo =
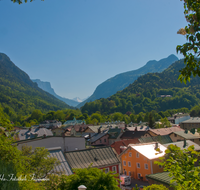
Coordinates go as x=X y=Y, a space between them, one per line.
x=92 y=178
x=181 y=165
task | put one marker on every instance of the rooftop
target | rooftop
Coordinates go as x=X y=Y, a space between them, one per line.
x=98 y=157
x=186 y=135
x=165 y=131
x=63 y=167
x=192 y=120
x=149 y=150
x=161 y=139
x=180 y=144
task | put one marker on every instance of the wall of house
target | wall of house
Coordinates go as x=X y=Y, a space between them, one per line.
x=102 y=141
x=66 y=143
x=189 y=126
x=58 y=132
x=176 y=137
x=110 y=168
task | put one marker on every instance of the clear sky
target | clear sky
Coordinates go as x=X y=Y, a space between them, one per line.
x=78 y=44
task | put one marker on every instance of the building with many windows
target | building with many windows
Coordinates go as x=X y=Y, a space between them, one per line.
x=138 y=159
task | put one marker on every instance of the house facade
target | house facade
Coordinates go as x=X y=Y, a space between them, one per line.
x=138 y=160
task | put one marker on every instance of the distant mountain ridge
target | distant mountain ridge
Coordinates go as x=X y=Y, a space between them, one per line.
x=122 y=80
x=151 y=92
x=19 y=94
x=46 y=86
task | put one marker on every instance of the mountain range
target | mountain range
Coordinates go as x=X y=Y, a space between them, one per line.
x=46 y=86
x=122 y=80
x=18 y=94
x=152 y=91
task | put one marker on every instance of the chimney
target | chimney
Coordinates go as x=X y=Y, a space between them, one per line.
x=184 y=143
x=99 y=130
x=135 y=128
x=156 y=145
x=186 y=131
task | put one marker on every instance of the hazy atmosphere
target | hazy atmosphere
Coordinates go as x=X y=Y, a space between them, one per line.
x=76 y=45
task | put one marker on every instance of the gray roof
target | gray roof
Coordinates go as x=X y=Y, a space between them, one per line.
x=63 y=167
x=186 y=135
x=180 y=144
x=161 y=139
x=97 y=136
x=29 y=134
x=161 y=177
x=192 y=120
x=98 y=157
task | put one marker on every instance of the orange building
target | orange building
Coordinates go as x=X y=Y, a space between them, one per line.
x=138 y=159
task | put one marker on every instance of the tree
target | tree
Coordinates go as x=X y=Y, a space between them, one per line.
x=92 y=178
x=156 y=187
x=191 y=49
x=39 y=162
x=151 y=121
x=181 y=166
x=20 y=1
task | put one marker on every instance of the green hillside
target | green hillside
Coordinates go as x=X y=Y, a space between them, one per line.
x=145 y=93
x=123 y=80
x=18 y=94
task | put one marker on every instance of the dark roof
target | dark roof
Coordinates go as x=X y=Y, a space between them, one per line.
x=132 y=134
x=98 y=157
x=63 y=167
x=161 y=177
x=161 y=139
x=97 y=136
x=114 y=133
x=116 y=145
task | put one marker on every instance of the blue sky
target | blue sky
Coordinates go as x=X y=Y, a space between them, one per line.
x=78 y=44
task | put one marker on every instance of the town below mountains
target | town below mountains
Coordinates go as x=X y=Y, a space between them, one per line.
x=123 y=128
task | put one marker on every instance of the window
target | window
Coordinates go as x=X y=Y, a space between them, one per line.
x=138 y=165
x=160 y=166
x=104 y=140
x=130 y=154
x=100 y=140
x=114 y=169
x=175 y=135
x=106 y=170
x=146 y=166
x=129 y=173
x=137 y=155
x=139 y=176
x=124 y=163
x=129 y=164
x=124 y=172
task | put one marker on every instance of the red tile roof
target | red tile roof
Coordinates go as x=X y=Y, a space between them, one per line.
x=116 y=145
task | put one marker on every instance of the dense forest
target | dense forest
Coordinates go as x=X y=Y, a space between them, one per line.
x=152 y=91
x=19 y=95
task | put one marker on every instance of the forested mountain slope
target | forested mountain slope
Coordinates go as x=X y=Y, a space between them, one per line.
x=19 y=94
x=122 y=80
x=145 y=94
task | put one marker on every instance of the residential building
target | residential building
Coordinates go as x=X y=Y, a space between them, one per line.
x=161 y=139
x=132 y=134
x=184 y=144
x=193 y=122
x=33 y=133
x=102 y=158
x=114 y=134
x=99 y=139
x=161 y=131
x=50 y=124
x=63 y=167
x=74 y=122
x=66 y=143
x=138 y=159
x=182 y=135
x=178 y=118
